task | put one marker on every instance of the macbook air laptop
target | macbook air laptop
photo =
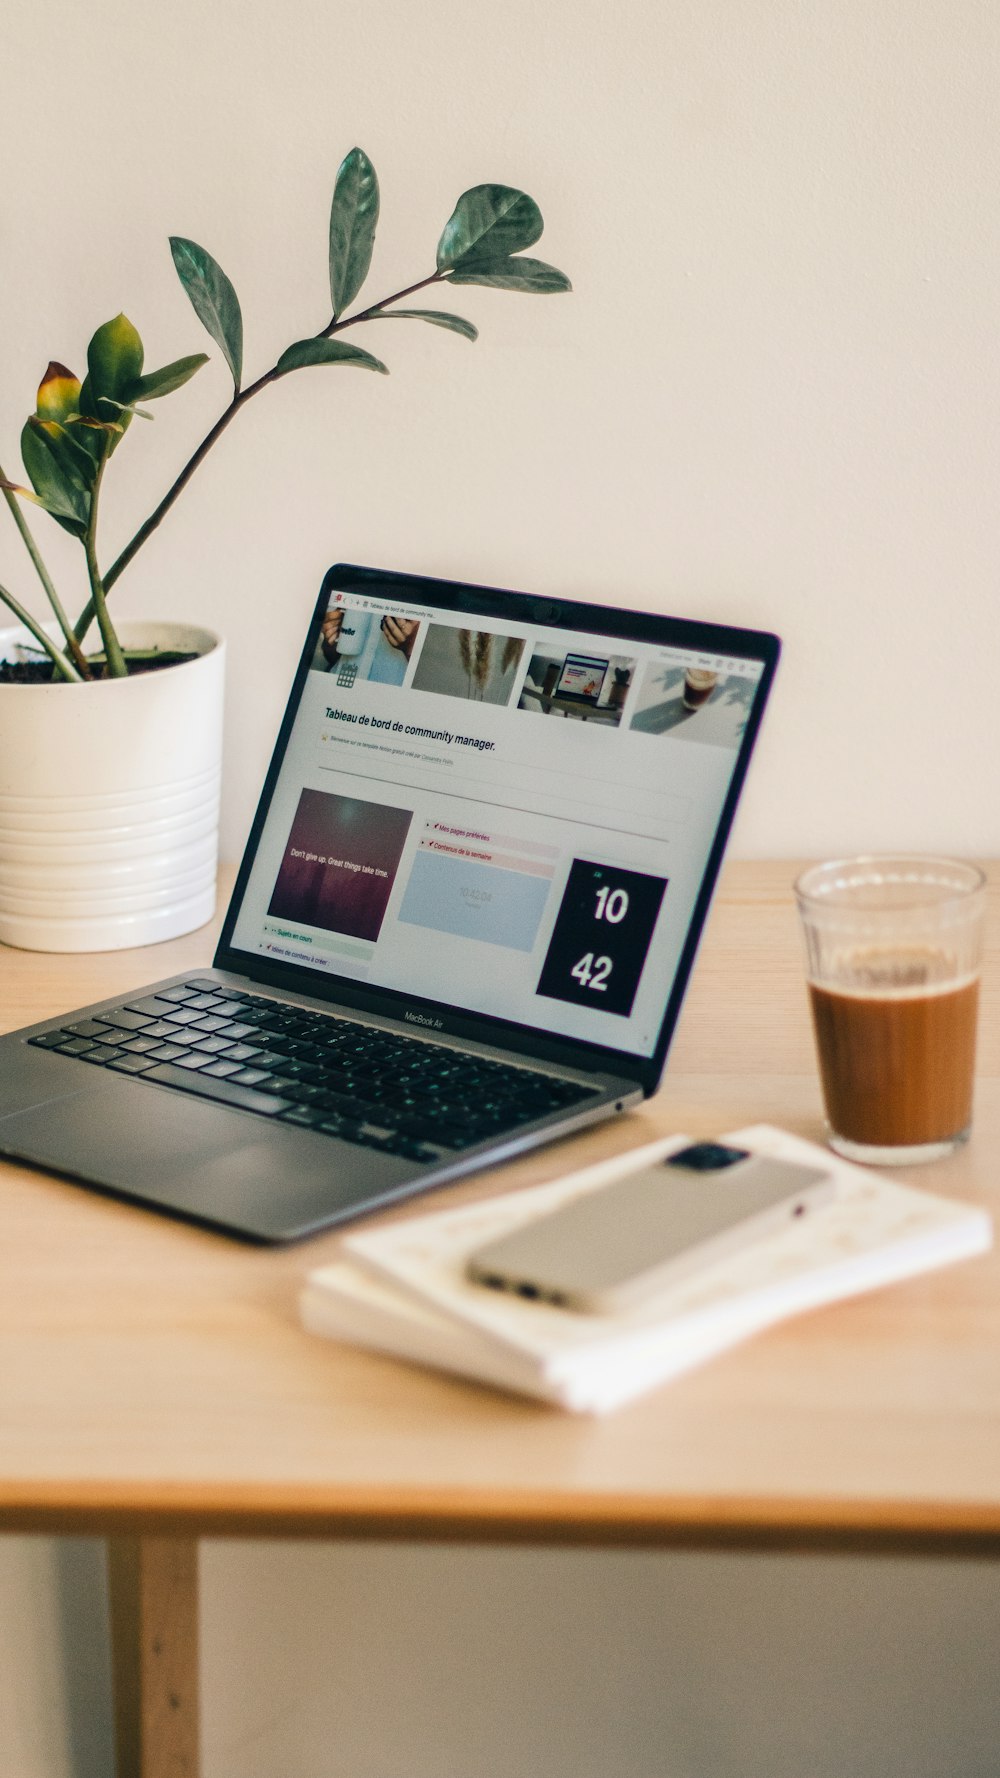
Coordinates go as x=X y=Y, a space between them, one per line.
x=459 y=930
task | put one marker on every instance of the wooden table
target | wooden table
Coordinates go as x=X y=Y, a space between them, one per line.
x=156 y=1387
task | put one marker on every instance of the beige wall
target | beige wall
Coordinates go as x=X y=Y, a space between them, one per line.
x=772 y=398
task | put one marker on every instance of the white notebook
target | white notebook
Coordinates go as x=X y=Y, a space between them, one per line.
x=403 y=1289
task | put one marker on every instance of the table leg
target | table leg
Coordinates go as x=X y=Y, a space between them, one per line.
x=154 y=1650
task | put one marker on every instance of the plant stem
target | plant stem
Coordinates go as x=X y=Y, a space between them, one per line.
x=46 y=579
x=59 y=661
x=145 y=530
x=376 y=308
x=239 y=400
x=112 y=648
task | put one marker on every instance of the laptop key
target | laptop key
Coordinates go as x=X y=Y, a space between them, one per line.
x=306 y=1116
x=131 y=1065
x=379 y=1132
x=166 y=1052
x=87 y=1028
x=101 y=1054
x=244 y=1052
x=334 y=1126
x=210 y=1087
x=183 y=1037
x=126 y=1021
x=50 y=1040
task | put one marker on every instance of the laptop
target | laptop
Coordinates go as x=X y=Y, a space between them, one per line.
x=460 y=928
x=581 y=678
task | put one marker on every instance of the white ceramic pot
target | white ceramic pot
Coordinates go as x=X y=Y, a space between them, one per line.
x=109 y=800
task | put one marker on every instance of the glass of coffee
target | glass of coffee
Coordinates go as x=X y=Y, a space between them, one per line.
x=893 y=949
x=699 y=684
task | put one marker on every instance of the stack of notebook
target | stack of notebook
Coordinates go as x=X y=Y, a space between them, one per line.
x=403 y=1289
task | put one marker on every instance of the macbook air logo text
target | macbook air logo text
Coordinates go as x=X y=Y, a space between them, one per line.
x=417 y=1018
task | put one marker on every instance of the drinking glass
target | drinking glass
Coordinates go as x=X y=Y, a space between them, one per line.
x=893 y=948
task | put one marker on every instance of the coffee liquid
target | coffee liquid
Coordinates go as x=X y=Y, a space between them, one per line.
x=897 y=1066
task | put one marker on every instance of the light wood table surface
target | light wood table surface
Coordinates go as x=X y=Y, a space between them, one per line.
x=156 y=1386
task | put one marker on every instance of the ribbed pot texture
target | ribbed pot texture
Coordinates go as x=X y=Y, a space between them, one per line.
x=109 y=800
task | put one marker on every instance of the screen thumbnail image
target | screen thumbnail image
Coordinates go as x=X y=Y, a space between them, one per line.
x=570 y=683
x=340 y=863
x=362 y=645
x=474 y=664
x=693 y=704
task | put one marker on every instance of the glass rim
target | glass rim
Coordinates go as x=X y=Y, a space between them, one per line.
x=913 y=867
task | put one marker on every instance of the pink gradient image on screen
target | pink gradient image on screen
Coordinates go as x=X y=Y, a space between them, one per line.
x=340 y=863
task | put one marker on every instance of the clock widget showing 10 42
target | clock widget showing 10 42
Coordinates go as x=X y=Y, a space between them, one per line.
x=601 y=937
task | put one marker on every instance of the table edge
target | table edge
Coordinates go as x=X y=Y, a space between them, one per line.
x=273 y=1511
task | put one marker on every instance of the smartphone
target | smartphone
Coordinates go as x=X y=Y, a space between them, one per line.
x=614 y=1247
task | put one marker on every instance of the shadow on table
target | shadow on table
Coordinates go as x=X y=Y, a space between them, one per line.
x=661 y=718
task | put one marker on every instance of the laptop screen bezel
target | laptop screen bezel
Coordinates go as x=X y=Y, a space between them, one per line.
x=607 y=621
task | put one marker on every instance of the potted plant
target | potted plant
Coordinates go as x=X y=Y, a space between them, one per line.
x=110 y=738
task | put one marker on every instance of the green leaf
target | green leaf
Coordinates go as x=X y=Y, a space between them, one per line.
x=165 y=381
x=123 y=407
x=87 y=425
x=511 y=274
x=58 y=393
x=213 y=299
x=436 y=317
x=90 y=425
x=314 y=351
x=75 y=463
x=489 y=219
x=114 y=361
x=25 y=493
x=353 y=216
x=56 y=477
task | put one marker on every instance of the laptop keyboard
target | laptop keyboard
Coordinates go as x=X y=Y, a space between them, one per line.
x=317 y=1070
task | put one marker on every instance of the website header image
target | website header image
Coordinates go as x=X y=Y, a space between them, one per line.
x=478 y=665
x=579 y=683
x=357 y=644
x=703 y=698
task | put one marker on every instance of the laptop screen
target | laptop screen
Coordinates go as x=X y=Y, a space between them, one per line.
x=509 y=817
x=582 y=678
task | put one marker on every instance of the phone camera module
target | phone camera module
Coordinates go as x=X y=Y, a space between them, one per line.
x=707 y=1157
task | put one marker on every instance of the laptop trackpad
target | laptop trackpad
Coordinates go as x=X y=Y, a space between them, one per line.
x=188 y=1155
x=105 y=1136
